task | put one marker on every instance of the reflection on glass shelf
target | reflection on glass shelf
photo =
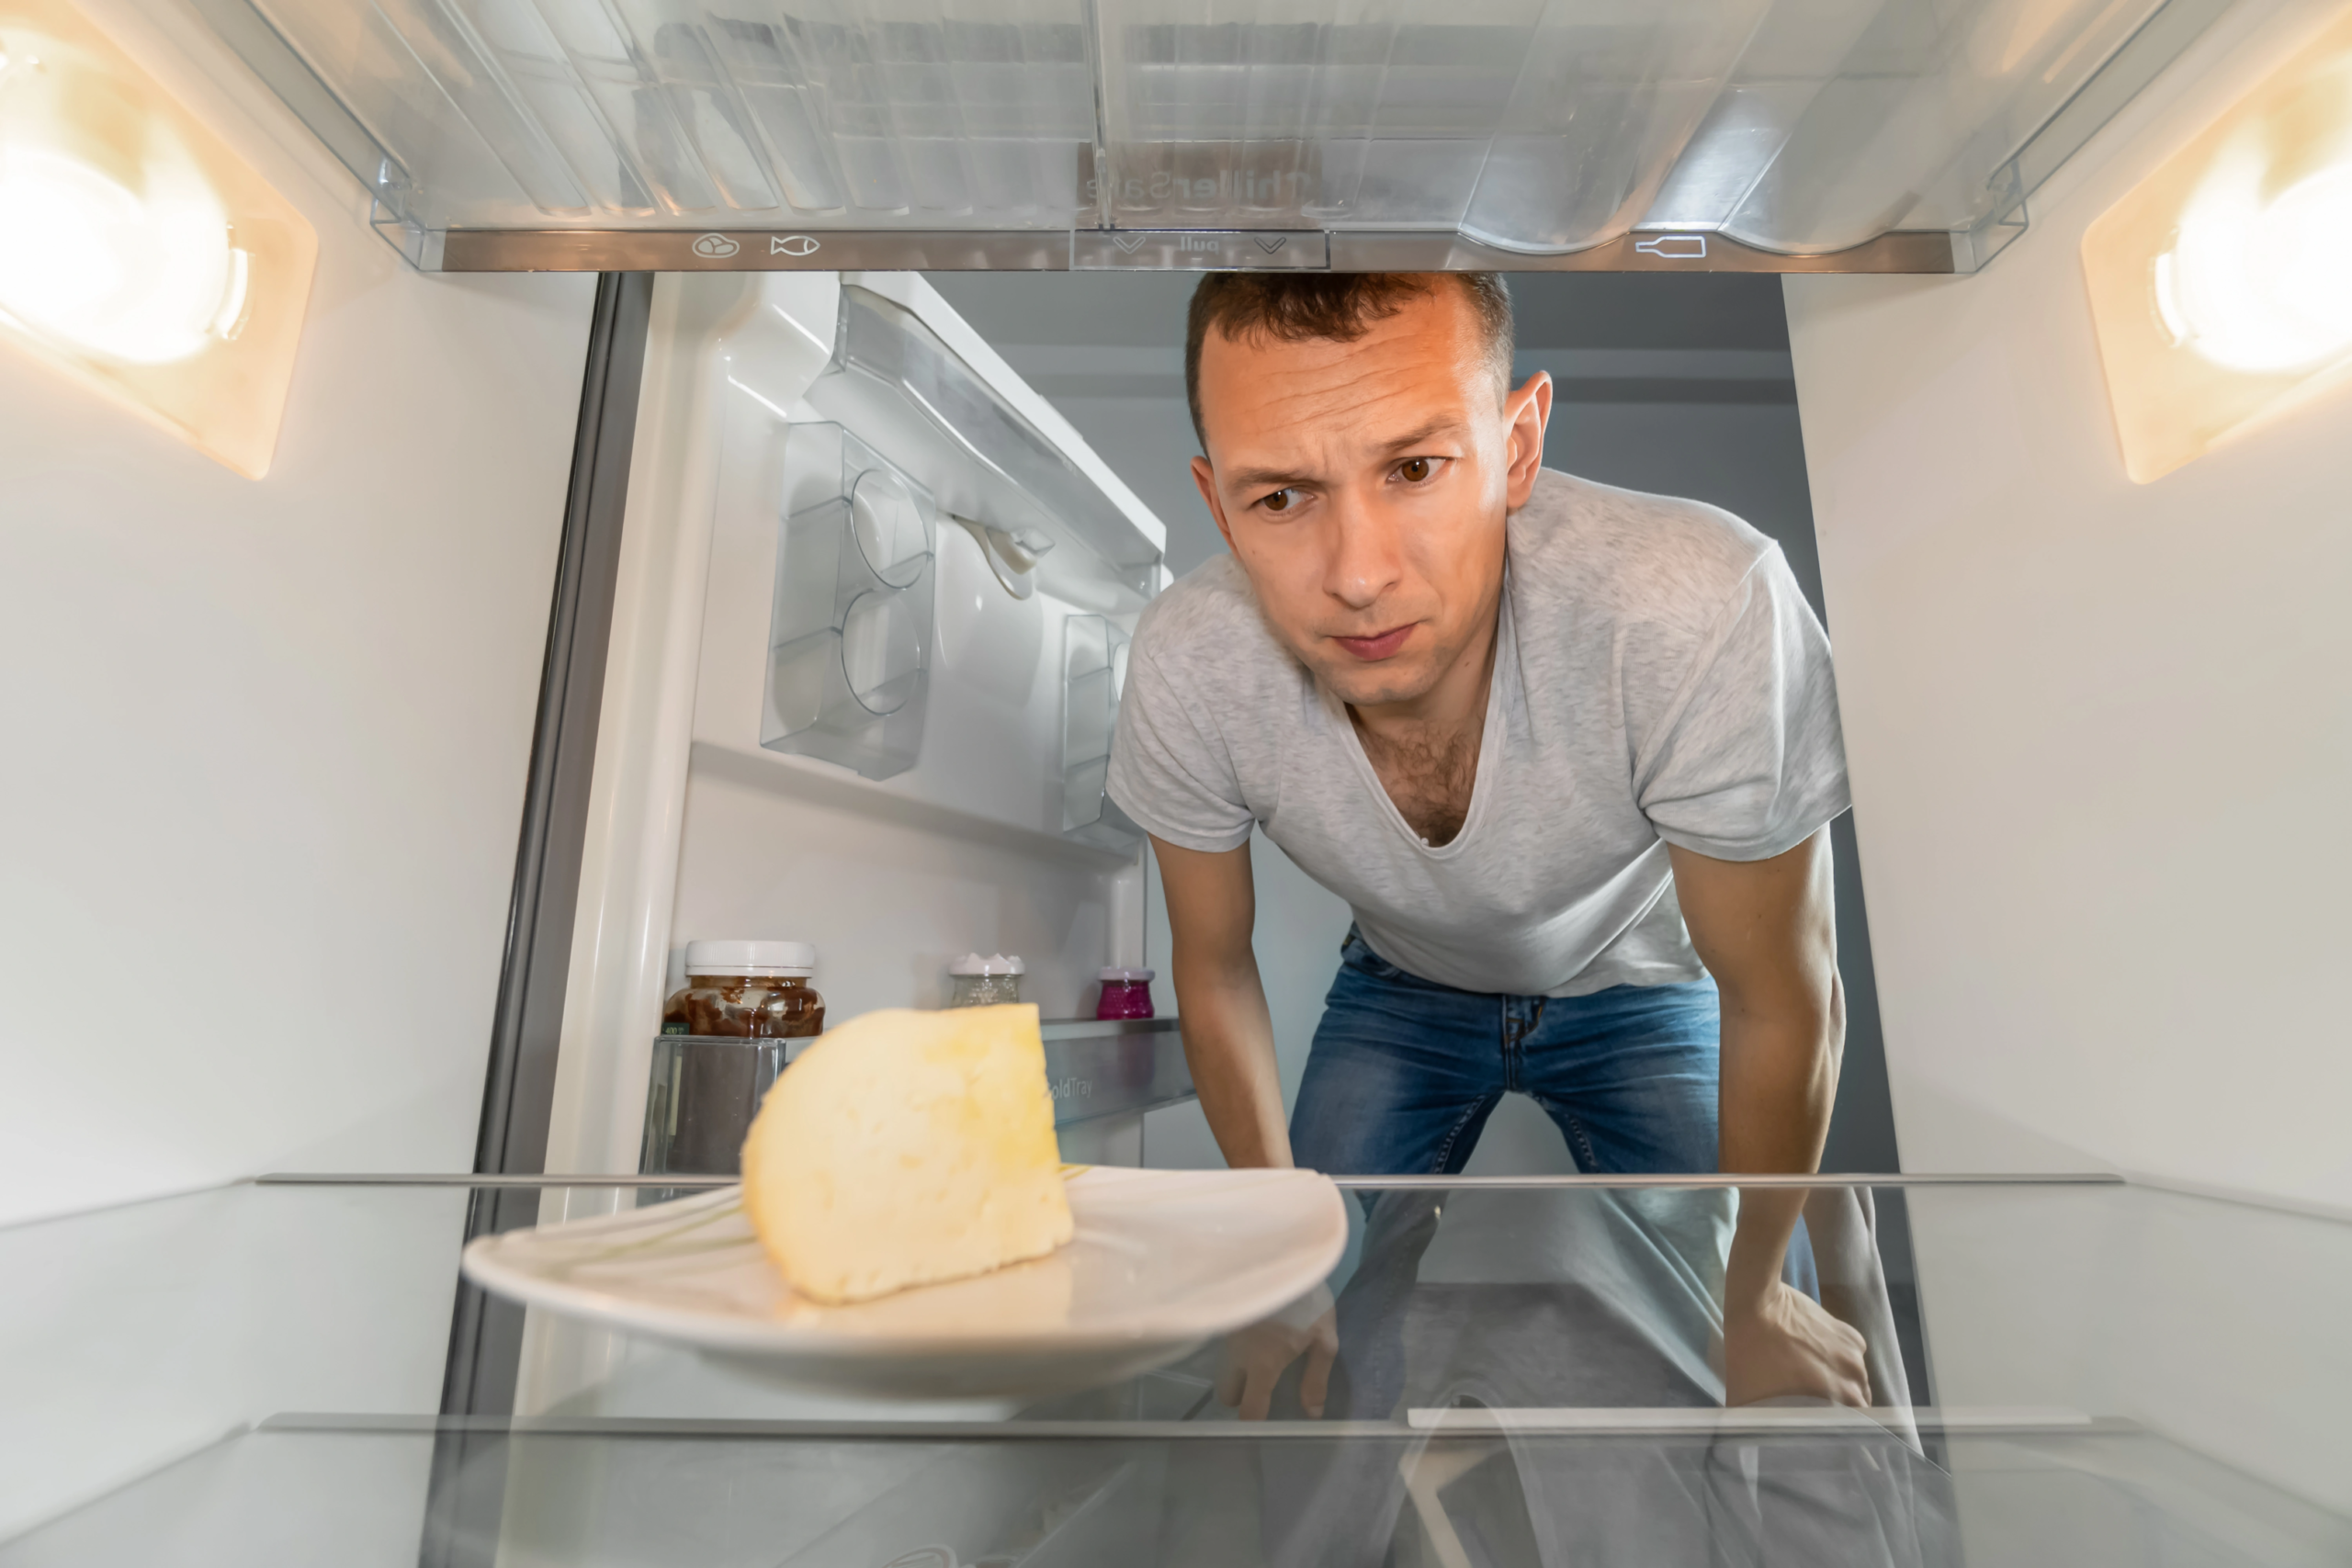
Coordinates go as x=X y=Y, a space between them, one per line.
x=1522 y=1373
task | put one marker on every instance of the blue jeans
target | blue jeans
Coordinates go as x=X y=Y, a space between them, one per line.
x=1404 y=1073
x=1403 y=1076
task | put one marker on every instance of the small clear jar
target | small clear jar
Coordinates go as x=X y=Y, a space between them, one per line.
x=1127 y=993
x=985 y=982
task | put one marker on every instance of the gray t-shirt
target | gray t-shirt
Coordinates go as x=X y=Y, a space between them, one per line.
x=1658 y=679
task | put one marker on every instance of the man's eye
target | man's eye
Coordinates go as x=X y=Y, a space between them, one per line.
x=1413 y=470
x=1281 y=500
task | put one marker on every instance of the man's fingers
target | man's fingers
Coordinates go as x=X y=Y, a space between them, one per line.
x=1314 y=1383
x=1259 y=1397
x=1856 y=1364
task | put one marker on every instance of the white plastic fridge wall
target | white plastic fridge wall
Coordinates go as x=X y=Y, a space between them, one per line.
x=2100 y=767
x=267 y=745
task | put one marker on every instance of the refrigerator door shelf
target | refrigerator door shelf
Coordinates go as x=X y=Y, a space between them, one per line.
x=705 y=1090
x=915 y=400
x=1104 y=1068
x=799 y=421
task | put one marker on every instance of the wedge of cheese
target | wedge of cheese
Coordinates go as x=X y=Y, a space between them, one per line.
x=905 y=1148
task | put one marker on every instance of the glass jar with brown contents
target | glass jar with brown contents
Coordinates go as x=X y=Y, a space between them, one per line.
x=747 y=990
x=725 y=1037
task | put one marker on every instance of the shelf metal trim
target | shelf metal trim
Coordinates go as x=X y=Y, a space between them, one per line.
x=1929 y=250
x=1354 y=1183
x=1104 y=1028
x=1698 y=1422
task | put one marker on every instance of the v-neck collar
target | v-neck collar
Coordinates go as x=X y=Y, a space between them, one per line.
x=1491 y=739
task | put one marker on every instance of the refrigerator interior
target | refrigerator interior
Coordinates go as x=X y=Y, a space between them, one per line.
x=281 y=731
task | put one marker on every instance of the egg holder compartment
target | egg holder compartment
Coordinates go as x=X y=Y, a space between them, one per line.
x=850 y=635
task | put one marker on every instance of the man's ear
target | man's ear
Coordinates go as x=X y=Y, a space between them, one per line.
x=1529 y=411
x=1205 y=476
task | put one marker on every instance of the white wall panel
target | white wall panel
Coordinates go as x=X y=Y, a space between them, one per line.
x=2099 y=730
x=267 y=740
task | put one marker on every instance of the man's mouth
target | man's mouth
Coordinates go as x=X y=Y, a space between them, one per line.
x=1378 y=646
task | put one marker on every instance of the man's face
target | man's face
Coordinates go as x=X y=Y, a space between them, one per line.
x=1363 y=487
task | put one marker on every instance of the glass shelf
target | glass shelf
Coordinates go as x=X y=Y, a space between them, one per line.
x=750 y=134
x=2063 y=1371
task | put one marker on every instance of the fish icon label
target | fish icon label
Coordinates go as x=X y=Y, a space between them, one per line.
x=1674 y=247
x=791 y=245
x=715 y=247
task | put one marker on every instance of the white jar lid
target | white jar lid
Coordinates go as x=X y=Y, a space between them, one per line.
x=733 y=956
x=1128 y=974
x=994 y=964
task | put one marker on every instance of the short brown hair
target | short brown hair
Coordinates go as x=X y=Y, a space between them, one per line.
x=1299 y=307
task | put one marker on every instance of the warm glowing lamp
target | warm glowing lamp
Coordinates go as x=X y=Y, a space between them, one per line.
x=2222 y=287
x=136 y=250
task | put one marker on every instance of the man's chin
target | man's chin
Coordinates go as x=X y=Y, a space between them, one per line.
x=1363 y=685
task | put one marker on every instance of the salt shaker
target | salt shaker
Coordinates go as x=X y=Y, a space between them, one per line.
x=985 y=982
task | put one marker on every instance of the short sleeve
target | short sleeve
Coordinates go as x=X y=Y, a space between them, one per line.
x=1170 y=771
x=1744 y=759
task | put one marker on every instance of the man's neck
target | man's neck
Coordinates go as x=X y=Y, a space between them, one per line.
x=1426 y=750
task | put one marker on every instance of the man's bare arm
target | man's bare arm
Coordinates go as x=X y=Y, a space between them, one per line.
x=1767 y=931
x=1228 y=1034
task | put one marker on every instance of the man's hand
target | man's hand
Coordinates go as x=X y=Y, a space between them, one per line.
x=1256 y=1357
x=1785 y=1345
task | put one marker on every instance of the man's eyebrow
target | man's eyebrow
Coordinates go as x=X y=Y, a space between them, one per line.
x=1447 y=425
x=1279 y=479
x=1266 y=478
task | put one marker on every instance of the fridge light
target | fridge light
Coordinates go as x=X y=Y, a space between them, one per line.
x=147 y=279
x=2222 y=286
x=137 y=251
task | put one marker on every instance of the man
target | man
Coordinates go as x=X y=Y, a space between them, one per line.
x=1566 y=751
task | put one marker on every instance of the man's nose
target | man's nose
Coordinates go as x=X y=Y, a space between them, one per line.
x=1366 y=558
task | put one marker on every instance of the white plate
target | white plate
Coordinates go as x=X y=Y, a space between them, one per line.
x=1162 y=1261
